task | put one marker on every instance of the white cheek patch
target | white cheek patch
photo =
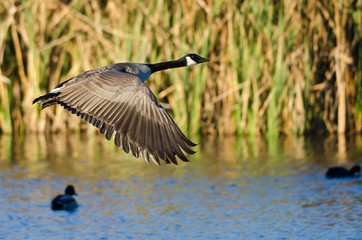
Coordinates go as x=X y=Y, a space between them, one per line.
x=190 y=62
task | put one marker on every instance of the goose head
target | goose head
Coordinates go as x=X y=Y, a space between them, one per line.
x=193 y=59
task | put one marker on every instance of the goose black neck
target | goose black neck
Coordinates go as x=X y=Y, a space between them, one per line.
x=166 y=65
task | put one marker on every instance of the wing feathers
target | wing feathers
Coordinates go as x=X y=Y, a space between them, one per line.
x=123 y=107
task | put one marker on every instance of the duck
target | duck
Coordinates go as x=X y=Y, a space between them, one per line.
x=66 y=201
x=341 y=172
x=115 y=99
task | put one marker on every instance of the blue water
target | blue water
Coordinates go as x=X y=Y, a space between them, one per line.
x=233 y=188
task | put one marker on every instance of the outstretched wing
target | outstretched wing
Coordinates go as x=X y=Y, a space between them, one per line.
x=123 y=107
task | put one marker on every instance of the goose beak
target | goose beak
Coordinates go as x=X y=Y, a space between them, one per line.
x=204 y=60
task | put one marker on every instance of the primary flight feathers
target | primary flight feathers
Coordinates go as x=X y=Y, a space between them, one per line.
x=115 y=99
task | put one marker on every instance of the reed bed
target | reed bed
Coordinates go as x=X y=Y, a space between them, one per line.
x=276 y=67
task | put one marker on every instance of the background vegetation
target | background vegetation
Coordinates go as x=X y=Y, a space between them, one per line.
x=290 y=67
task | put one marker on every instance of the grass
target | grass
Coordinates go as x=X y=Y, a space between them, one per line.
x=276 y=67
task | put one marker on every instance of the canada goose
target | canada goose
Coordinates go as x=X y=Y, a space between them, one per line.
x=66 y=201
x=341 y=172
x=115 y=99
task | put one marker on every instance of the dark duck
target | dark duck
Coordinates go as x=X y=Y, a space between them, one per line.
x=341 y=172
x=66 y=201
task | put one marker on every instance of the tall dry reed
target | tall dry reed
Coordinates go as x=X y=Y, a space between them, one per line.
x=288 y=67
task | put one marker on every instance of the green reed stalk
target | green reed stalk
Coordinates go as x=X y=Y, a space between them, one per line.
x=271 y=64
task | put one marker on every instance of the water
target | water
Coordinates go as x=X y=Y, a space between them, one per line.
x=233 y=188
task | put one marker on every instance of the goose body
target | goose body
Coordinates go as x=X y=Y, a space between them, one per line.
x=115 y=99
x=66 y=201
x=341 y=172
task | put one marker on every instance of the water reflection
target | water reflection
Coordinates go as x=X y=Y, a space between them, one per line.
x=233 y=188
x=94 y=158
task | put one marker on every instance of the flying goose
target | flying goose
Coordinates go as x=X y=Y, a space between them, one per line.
x=115 y=99
x=66 y=201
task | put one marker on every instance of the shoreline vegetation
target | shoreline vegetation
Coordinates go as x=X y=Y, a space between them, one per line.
x=276 y=67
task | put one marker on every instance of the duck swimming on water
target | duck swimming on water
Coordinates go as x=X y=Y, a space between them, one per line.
x=66 y=201
x=115 y=99
x=341 y=172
